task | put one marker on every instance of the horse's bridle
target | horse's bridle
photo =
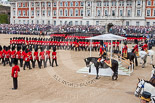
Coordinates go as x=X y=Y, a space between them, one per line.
x=142 y=87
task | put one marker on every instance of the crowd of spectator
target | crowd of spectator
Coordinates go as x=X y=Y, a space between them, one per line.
x=36 y=29
x=132 y=29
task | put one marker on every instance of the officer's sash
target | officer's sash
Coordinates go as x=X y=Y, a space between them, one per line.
x=108 y=62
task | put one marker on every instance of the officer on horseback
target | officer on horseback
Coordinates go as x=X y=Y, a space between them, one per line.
x=135 y=49
x=145 y=46
x=102 y=53
x=125 y=49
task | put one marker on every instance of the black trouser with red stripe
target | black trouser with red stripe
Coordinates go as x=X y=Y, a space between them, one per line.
x=55 y=62
x=15 y=83
x=12 y=61
x=42 y=60
x=7 y=60
x=27 y=63
x=49 y=61
x=38 y=63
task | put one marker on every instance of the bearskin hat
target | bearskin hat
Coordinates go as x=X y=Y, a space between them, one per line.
x=136 y=41
x=54 y=49
x=15 y=61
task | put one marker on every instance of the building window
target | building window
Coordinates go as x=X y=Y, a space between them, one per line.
x=139 y=2
x=76 y=4
x=48 y=22
x=23 y=12
x=37 y=12
x=129 y=12
x=106 y=3
x=76 y=22
x=55 y=13
x=121 y=3
x=98 y=13
x=129 y=3
x=88 y=3
x=32 y=21
x=37 y=21
x=106 y=12
x=121 y=12
x=43 y=22
x=49 y=4
x=113 y=3
x=23 y=21
x=66 y=12
x=43 y=4
x=23 y=4
x=43 y=13
x=61 y=12
x=154 y=2
x=148 y=23
x=32 y=4
x=153 y=23
x=55 y=23
x=19 y=4
x=81 y=12
x=76 y=12
x=37 y=4
x=27 y=12
x=138 y=13
x=113 y=12
x=19 y=21
x=88 y=12
x=65 y=23
x=87 y=22
x=81 y=3
x=137 y=23
x=19 y=13
x=80 y=22
x=71 y=3
x=61 y=4
x=66 y=4
x=60 y=22
x=49 y=13
x=70 y=23
x=14 y=12
x=148 y=3
x=127 y=23
x=148 y=12
x=154 y=12
x=98 y=3
x=97 y=22
x=54 y=4
x=27 y=21
x=71 y=12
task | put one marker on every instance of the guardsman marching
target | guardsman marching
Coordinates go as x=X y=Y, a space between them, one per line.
x=18 y=54
x=125 y=49
x=27 y=59
x=48 y=56
x=13 y=55
x=54 y=57
x=136 y=48
x=22 y=56
x=36 y=57
x=145 y=47
x=42 y=57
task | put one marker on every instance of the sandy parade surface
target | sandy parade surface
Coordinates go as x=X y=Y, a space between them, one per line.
x=63 y=85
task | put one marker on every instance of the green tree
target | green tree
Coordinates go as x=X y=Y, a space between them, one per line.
x=4 y=19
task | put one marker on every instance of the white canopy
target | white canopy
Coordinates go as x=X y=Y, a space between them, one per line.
x=107 y=37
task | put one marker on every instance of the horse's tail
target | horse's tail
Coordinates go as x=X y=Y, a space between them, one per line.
x=136 y=62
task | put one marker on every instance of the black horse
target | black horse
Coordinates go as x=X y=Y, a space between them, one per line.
x=130 y=55
x=114 y=66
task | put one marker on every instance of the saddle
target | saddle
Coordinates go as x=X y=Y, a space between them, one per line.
x=108 y=62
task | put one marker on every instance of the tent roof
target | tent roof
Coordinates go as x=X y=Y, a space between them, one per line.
x=107 y=37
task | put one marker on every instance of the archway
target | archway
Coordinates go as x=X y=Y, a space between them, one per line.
x=109 y=26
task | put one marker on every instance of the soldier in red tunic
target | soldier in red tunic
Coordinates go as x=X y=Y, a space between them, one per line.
x=13 y=55
x=22 y=56
x=42 y=57
x=36 y=57
x=145 y=47
x=27 y=59
x=7 y=55
x=14 y=74
x=18 y=54
x=48 y=56
x=54 y=57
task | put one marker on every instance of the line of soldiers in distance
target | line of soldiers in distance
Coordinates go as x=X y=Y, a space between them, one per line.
x=62 y=43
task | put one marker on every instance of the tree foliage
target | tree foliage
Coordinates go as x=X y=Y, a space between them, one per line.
x=4 y=19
